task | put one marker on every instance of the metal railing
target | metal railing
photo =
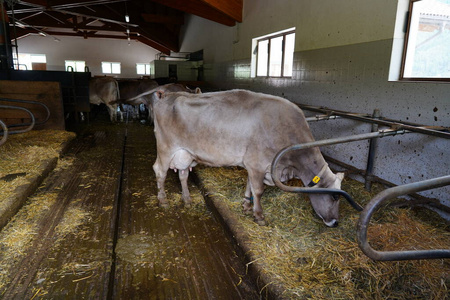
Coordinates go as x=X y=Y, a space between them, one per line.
x=395 y=128
x=309 y=190
x=380 y=200
x=28 y=125
x=31 y=102
x=5 y=132
x=438 y=131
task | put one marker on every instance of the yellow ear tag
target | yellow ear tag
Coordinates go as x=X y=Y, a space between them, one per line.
x=316 y=179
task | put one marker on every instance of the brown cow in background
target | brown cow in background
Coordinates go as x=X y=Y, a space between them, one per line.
x=105 y=90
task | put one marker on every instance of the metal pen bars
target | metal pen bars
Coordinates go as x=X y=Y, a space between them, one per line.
x=384 y=197
x=28 y=125
x=395 y=127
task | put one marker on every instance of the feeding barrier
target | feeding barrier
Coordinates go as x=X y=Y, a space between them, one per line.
x=395 y=128
x=381 y=200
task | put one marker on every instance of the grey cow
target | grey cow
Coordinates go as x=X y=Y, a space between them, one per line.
x=239 y=128
x=105 y=90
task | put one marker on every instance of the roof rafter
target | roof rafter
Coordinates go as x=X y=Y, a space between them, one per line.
x=156 y=23
x=218 y=11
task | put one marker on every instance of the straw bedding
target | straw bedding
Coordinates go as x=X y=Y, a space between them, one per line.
x=22 y=155
x=308 y=260
x=20 y=159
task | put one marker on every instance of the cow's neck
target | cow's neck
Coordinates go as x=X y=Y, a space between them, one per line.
x=316 y=171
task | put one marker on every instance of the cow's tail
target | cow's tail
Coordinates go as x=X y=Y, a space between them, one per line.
x=117 y=89
x=144 y=94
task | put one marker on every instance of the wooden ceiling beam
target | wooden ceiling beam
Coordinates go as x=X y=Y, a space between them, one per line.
x=231 y=8
x=201 y=9
x=154 y=45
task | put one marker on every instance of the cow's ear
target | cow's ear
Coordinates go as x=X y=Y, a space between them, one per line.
x=198 y=90
x=340 y=176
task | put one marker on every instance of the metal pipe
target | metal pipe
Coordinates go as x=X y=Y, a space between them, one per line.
x=281 y=153
x=371 y=155
x=5 y=132
x=30 y=125
x=442 y=132
x=380 y=200
x=321 y=118
x=29 y=102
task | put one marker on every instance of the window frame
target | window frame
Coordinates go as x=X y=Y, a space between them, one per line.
x=75 y=63
x=30 y=59
x=405 y=50
x=146 y=65
x=111 y=65
x=283 y=51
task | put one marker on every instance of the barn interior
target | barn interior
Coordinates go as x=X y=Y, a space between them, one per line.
x=78 y=209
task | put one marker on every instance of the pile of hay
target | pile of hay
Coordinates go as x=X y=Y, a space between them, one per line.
x=309 y=260
x=22 y=155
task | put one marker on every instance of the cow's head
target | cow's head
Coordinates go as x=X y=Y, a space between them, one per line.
x=326 y=206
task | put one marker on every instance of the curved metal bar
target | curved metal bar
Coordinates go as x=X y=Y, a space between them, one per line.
x=314 y=190
x=29 y=102
x=381 y=199
x=30 y=125
x=5 y=133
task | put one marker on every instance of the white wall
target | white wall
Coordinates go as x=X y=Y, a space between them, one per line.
x=93 y=51
x=319 y=23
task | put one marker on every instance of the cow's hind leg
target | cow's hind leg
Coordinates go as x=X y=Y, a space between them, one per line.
x=183 y=175
x=112 y=112
x=257 y=189
x=161 y=174
x=182 y=160
x=247 y=204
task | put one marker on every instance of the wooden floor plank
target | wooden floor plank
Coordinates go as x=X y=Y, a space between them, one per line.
x=70 y=256
x=187 y=244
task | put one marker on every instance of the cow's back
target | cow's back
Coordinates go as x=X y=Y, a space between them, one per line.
x=132 y=88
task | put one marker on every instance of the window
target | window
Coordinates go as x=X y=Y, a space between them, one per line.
x=28 y=61
x=274 y=54
x=75 y=65
x=110 y=67
x=427 y=43
x=143 y=69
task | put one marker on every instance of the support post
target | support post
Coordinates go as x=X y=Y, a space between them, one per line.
x=371 y=155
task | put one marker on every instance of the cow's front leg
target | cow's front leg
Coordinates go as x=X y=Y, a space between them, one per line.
x=161 y=174
x=183 y=175
x=247 y=204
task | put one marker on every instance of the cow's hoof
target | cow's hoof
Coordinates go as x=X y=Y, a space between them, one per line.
x=187 y=201
x=247 y=207
x=247 y=211
x=261 y=222
x=164 y=205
